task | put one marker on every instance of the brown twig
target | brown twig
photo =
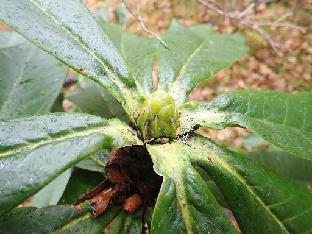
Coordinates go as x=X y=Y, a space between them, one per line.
x=140 y=20
x=243 y=19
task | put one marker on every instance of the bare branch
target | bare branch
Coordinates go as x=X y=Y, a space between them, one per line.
x=243 y=20
x=140 y=20
x=247 y=11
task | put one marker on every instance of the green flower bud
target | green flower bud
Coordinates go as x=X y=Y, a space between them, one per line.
x=159 y=116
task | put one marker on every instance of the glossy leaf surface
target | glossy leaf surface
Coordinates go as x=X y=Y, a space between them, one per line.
x=126 y=223
x=68 y=31
x=262 y=201
x=138 y=53
x=280 y=118
x=43 y=147
x=185 y=203
x=54 y=219
x=194 y=55
x=30 y=79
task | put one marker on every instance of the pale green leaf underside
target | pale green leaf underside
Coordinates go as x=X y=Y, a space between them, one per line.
x=185 y=203
x=43 y=147
x=54 y=219
x=280 y=118
x=93 y=99
x=194 y=55
x=261 y=201
x=30 y=79
x=52 y=192
x=95 y=162
x=68 y=31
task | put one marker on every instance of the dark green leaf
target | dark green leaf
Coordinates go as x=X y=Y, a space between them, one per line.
x=54 y=219
x=95 y=100
x=262 y=201
x=138 y=52
x=68 y=31
x=185 y=203
x=30 y=79
x=52 y=192
x=126 y=223
x=284 y=163
x=35 y=150
x=80 y=183
x=280 y=118
x=194 y=55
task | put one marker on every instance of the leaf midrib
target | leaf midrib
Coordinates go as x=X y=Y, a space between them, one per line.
x=106 y=67
x=187 y=62
x=184 y=205
x=54 y=139
x=71 y=223
x=20 y=76
x=180 y=192
x=232 y=171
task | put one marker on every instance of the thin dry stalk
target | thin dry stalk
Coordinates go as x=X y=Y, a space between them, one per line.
x=242 y=18
x=137 y=16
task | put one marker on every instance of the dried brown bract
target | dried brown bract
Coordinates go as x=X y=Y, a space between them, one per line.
x=131 y=182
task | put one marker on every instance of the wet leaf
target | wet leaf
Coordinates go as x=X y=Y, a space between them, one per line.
x=68 y=31
x=43 y=147
x=30 y=79
x=185 y=203
x=282 y=119
x=138 y=52
x=262 y=201
x=194 y=55
x=54 y=219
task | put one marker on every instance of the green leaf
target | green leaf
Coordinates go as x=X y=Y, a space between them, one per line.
x=52 y=192
x=194 y=55
x=280 y=118
x=185 y=203
x=80 y=183
x=30 y=79
x=126 y=223
x=43 y=147
x=95 y=162
x=54 y=219
x=95 y=100
x=138 y=53
x=262 y=201
x=284 y=163
x=68 y=31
